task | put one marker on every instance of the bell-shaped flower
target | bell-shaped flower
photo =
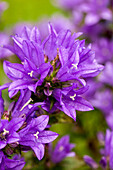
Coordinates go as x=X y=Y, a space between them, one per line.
x=34 y=135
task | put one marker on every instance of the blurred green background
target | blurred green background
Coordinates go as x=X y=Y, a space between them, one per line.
x=27 y=10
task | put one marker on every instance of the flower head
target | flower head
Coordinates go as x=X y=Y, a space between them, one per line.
x=56 y=65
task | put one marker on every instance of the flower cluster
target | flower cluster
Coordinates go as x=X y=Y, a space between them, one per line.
x=53 y=69
x=51 y=77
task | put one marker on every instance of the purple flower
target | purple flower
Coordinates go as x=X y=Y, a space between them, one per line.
x=4 y=40
x=103 y=50
x=8 y=131
x=26 y=76
x=55 y=66
x=107 y=153
x=11 y=164
x=24 y=129
x=103 y=100
x=89 y=161
x=93 y=32
x=107 y=74
x=94 y=86
x=70 y=100
x=23 y=107
x=81 y=59
x=109 y=119
x=62 y=149
x=34 y=135
x=103 y=162
x=93 y=9
x=97 y=10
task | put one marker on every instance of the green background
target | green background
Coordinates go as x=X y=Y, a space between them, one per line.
x=27 y=10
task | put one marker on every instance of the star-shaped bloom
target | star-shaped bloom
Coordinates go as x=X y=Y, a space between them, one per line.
x=69 y=100
x=34 y=135
x=8 y=131
x=26 y=76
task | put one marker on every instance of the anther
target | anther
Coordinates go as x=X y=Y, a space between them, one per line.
x=36 y=134
x=31 y=74
x=74 y=66
x=5 y=132
x=61 y=148
x=73 y=97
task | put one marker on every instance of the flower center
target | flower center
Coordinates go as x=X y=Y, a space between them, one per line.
x=31 y=74
x=73 y=97
x=5 y=132
x=36 y=134
x=61 y=148
x=74 y=66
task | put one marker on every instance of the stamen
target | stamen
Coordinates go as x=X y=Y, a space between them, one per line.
x=5 y=132
x=31 y=74
x=36 y=134
x=30 y=100
x=73 y=97
x=61 y=148
x=56 y=58
x=74 y=66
